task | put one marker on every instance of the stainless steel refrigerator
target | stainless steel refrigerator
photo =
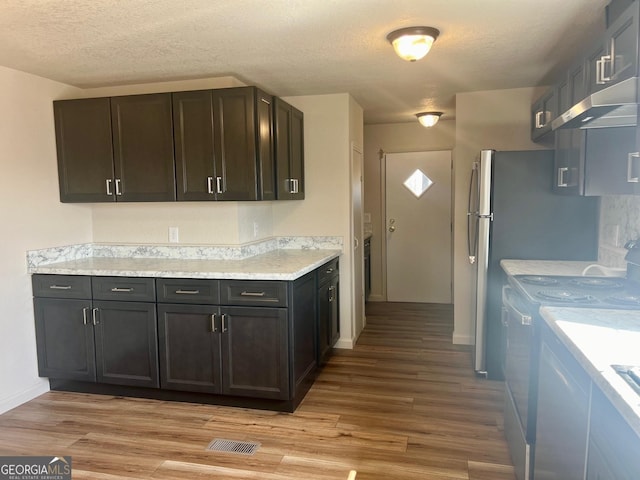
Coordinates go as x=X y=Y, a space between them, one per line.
x=514 y=214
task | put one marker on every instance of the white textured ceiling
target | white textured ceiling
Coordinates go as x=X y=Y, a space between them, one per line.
x=301 y=47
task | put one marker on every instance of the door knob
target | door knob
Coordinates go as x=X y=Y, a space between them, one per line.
x=392 y=228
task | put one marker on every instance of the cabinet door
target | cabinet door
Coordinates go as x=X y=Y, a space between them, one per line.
x=562 y=417
x=543 y=112
x=613 y=445
x=289 y=148
x=297 y=153
x=143 y=148
x=85 y=154
x=623 y=45
x=567 y=162
x=193 y=136
x=235 y=143
x=606 y=164
x=577 y=85
x=324 y=323
x=593 y=68
x=189 y=339
x=254 y=352
x=64 y=339
x=334 y=301
x=126 y=343
x=266 y=159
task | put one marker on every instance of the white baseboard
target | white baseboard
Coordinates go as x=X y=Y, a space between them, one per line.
x=12 y=401
x=375 y=298
x=463 y=339
x=344 y=343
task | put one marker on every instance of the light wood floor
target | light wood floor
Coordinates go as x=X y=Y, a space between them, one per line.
x=404 y=405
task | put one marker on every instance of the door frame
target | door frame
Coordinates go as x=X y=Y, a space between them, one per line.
x=356 y=245
x=383 y=216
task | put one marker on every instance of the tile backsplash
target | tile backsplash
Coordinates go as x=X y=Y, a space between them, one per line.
x=619 y=223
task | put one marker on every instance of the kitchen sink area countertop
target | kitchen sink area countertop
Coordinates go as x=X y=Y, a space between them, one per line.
x=274 y=259
x=599 y=338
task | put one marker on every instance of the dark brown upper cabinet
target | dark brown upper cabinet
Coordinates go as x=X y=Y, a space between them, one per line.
x=115 y=149
x=143 y=148
x=85 y=150
x=224 y=144
x=289 y=147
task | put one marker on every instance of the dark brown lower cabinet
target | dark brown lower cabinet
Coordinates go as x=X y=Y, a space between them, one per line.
x=235 y=342
x=126 y=343
x=328 y=310
x=107 y=342
x=255 y=358
x=231 y=350
x=64 y=339
x=190 y=350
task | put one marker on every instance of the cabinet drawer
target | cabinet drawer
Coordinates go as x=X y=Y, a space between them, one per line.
x=183 y=290
x=124 y=289
x=327 y=271
x=61 y=286
x=250 y=292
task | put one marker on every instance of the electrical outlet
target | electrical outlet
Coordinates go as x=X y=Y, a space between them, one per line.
x=173 y=235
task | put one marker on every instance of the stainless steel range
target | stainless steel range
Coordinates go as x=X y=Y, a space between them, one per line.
x=522 y=298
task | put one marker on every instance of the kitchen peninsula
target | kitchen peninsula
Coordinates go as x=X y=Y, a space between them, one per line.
x=229 y=325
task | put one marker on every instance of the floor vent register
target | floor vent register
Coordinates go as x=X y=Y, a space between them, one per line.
x=232 y=446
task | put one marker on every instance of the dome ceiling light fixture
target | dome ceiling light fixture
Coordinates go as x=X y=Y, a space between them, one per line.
x=413 y=43
x=428 y=119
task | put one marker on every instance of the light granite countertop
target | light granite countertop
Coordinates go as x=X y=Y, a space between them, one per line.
x=276 y=259
x=599 y=338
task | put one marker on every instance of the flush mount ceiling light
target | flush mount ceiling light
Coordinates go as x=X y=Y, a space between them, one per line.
x=428 y=119
x=413 y=43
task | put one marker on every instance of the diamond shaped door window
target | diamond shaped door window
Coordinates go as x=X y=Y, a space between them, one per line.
x=418 y=183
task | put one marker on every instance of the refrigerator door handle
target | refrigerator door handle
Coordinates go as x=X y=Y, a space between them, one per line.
x=472 y=216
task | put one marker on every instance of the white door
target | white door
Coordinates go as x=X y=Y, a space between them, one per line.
x=357 y=269
x=418 y=226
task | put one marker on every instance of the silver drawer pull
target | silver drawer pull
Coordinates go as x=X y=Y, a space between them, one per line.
x=187 y=292
x=119 y=289
x=60 y=287
x=253 y=294
x=329 y=270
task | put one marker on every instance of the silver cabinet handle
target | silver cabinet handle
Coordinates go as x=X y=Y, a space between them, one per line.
x=630 y=160
x=224 y=323
x=253 y=294
x=539 y=122
x=60 y=287
x=296 y=185
x=561 y=180
x=85 y=315
x=213 y=323
x=118 y=189
x=210 y=185
x=612 y=59
x=94 y=316
x=120 y=289
x=265 y=101
x=187 y=292
x=218 y=184
x=601 y=79
x=332 y=290
x=108 y=183
x=329 y=270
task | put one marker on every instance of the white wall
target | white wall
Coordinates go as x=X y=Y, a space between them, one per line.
x=393 y=138
x=32 y=217
x=326 y=207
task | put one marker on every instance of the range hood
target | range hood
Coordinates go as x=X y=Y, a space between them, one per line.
x=614 y=106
